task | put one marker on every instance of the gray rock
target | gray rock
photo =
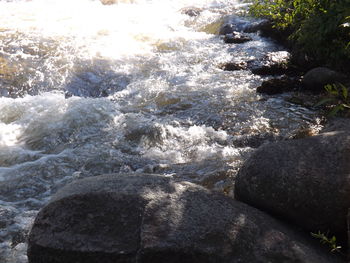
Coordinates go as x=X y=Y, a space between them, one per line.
x=305 y=181
x=278 y=85
x=274 y=63
x=315 y=79
x=150 y=218
x=337 y=124
x=236 y=38
x=232 y=66
x=227 y=28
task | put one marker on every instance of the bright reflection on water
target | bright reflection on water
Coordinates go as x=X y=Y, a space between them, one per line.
x=87 y=89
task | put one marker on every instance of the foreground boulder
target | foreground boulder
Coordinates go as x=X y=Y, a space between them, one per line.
x=150 y=218
x=305 y=181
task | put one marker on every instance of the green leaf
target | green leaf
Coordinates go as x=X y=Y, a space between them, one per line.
x=335 y=110
x=345 y=91
x=324 y=101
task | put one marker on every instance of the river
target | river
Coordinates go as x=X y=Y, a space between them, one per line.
x=87 y=89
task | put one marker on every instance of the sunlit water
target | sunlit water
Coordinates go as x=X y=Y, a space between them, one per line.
x=88 y=89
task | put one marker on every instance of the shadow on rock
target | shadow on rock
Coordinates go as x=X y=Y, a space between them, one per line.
x=151 y=218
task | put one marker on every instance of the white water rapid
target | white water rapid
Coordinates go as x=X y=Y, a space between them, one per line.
x=87 y=89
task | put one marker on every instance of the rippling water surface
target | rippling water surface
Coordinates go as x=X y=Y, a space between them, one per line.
x=87 y=88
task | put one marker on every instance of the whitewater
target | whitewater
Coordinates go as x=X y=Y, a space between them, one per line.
x=135 y=87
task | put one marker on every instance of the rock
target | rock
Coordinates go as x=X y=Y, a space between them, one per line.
x=315 y=79
x=151 y=218
x=191 y=11
x=262 y=26
x=337 y=124
x=277 y=86
x=226 y=29
x=232 y=66
x=236 y=38
x=305 y=181
x=267 y=29
x=274 y=63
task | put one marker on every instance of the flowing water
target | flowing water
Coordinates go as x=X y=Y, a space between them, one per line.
x=87 y=89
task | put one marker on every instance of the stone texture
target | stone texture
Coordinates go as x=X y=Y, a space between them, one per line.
x=227 y=28
x=274 y=63
x=150 y=218
x=236 y=38
x=315 y=79
x=305 y=181
x=278 y=85
x=232 y=66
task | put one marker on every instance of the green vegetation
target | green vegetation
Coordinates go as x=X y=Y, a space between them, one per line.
x=337 y=99
x=319 y=28
x=324 y=239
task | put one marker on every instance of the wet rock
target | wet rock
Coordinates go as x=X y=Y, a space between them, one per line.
x=315 y=79
x=7 y=215
x=236 y=38
x=267 y=29
x=191 y=11
x=274 y=63
x=227 y=29
x=214 y=27
x=305 y=181
x=232 y=66
x=278 y=85
x=263 y=26
x=95 y=84
x=150 y=218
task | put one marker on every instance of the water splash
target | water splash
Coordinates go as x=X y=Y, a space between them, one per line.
x=136 y=86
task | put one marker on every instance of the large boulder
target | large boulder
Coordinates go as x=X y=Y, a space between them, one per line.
x=150 y=218
x=305 y=181
x=315 y=79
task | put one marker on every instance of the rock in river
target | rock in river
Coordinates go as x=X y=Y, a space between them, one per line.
x=151 y=218
x=236 y=38
x=278 y=85
x=305 y=181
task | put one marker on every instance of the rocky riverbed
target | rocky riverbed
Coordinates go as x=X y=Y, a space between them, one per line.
x=145 y=87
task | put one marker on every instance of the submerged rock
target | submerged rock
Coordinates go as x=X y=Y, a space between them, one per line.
x=151 y=218
x=305 y=181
